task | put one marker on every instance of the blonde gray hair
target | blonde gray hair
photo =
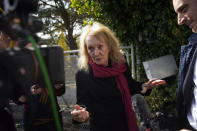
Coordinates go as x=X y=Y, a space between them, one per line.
x=100 y=31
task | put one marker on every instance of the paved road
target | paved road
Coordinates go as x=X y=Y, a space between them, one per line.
x=66 y=103
x=68 y=126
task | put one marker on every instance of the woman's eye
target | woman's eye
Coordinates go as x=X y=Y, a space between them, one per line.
x=100 y=46
x=90 y=49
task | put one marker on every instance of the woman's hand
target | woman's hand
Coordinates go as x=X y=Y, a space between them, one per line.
x=152 y=84
x=80 y=114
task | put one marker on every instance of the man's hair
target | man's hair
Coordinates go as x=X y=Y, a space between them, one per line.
x=101 y=32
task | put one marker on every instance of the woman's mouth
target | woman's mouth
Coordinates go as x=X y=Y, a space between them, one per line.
x=97 y=59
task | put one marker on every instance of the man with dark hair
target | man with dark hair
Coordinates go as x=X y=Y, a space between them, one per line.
x=187 y=84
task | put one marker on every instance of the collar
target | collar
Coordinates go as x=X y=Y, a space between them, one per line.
x=193 y=39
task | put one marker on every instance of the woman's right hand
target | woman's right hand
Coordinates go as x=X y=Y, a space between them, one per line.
x=80 y=114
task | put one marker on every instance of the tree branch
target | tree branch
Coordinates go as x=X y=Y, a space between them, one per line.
x=45 y=3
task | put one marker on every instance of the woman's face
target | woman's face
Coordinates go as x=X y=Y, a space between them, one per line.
x=98 y=50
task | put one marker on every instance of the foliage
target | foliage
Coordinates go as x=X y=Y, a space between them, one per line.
x=59 y=17
x=61 y=42
x=90 y=8
x=163 y=98
x=154 y=21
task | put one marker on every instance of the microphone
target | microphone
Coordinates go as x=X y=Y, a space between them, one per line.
x=143 y=114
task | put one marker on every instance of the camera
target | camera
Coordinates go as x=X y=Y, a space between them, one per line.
x=16 y=20
x=22 y=66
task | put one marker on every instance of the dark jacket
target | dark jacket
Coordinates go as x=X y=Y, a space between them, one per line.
x=10 y=87
x=38 y=115
x=103 y=100
x=185 y=84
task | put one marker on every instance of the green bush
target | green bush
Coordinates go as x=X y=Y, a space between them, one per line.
x=163 y=98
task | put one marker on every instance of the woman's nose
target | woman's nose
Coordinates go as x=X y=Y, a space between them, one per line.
x=96 y=52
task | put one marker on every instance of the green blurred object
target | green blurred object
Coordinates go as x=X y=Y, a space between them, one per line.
x=47 y=82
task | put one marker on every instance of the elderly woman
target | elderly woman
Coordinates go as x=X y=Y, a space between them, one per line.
x=104 y=83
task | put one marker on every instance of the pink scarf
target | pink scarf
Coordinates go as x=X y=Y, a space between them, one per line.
x=117 y=72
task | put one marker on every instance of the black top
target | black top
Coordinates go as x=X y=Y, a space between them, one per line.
x=10 y=87
x=103 y=100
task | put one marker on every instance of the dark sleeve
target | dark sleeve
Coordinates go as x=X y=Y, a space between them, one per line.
x=82 y=93
x=82 y=90
x=12 y=74
x=134 y=86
